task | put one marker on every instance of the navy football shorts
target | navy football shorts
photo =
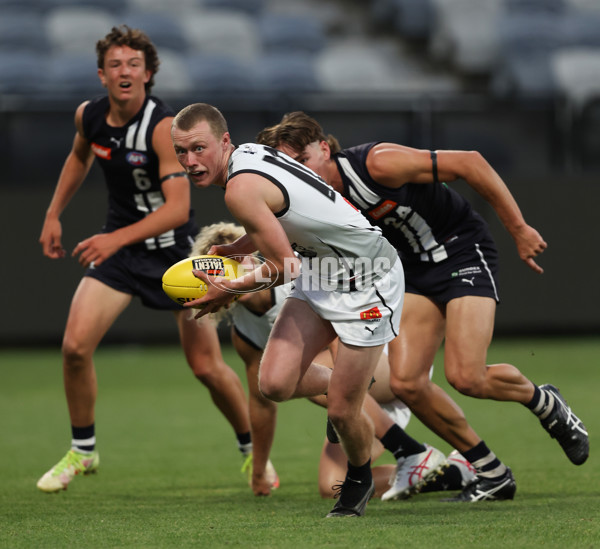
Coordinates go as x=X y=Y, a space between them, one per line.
x=139 y=272
x=471 y=271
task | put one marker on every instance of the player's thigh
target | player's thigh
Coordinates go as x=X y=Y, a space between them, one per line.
x=298 y=335
x=413 y=351
x=251 y=357
x=199 y=337
x=94 y=308
x=469 y=330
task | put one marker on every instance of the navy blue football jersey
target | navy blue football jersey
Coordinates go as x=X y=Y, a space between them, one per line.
x=424 y=222
x=130 y=168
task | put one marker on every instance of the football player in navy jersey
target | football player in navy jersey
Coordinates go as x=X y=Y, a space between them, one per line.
x=451 y=271
x=350 y=284
x=149 y=226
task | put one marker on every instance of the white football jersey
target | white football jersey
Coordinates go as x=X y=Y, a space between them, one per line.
x=337 y=243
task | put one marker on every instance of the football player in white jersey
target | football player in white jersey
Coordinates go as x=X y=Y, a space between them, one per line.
x=351 y=286
x=251 y=318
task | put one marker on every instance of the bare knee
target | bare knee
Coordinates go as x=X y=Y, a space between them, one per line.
x=75 y=354
x=409 y=391
x=204 y=368
x=274 y=390
x=468 y=382
x=326 y=490
x=341 y=419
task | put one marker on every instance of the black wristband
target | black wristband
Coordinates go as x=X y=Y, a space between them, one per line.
x=434 y=166
x=171 y=175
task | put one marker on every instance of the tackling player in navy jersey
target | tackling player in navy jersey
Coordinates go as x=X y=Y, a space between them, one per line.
x=451 y=266
x=286 y=208
x=149 y=226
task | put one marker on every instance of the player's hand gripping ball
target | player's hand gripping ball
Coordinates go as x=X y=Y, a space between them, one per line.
x=180 y=284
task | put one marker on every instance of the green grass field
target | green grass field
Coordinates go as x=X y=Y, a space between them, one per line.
x=170 y=474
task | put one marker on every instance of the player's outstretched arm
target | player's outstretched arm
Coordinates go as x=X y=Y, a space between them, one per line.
x=173 y=213
x=73 y=173
x=394 y=165
x=479 y=174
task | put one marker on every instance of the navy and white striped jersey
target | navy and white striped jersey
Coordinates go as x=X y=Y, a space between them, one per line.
x=425 y=222
x=130 y=168
x=319 y=222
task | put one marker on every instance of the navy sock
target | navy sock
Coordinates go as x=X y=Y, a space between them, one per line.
x=244 y=441
x=542 y=402
x=485 y=462
x=399 y=443
x=361 y=473
x=83 y=438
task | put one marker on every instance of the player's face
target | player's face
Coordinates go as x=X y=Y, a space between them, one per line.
x=124 y=73
x=203 y=155
x=314 y=156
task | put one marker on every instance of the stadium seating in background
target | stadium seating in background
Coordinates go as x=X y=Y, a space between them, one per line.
x=252 y=7
x=173 y=79
x=536 y=6
x=220 y=74
x=21 y=29
x=414 y=19
x=22 y=72
x=220 y=32
x=281 y=33
x=465 y=34
x=577 y=73
x=112 y=6
x=333 y=16
x=584 y=6
x=527 y=40
x=354 y=66
x=178 y=7
x=29 y=5
x=411 y=19
x=73 y=73
x=291 y=72
x=76 y=29
x=164 y=29
x=581 y=29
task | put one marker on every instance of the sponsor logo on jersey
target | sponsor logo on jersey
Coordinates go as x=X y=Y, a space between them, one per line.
x=210 y=265
x=466 y=272
x=100 y=151
x=136 y=158
x=379 y=211
x=371 y=314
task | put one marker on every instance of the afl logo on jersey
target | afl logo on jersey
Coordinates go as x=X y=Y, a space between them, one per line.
x=136 y=158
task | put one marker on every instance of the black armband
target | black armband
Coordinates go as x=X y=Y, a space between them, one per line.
x=172 y=175
x=434 y=166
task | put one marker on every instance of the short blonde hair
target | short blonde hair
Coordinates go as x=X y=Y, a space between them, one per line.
x=214 y=235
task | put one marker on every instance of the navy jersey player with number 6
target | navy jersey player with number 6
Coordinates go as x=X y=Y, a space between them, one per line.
x=149 y=226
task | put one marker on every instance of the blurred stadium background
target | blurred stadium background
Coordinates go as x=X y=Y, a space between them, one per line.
x=517 y=80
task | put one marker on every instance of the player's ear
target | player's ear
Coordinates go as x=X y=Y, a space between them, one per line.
x=324 y=146
x=226 y=141
x=101 y=76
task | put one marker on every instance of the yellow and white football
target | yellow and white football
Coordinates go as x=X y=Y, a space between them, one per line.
x=180 y=284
